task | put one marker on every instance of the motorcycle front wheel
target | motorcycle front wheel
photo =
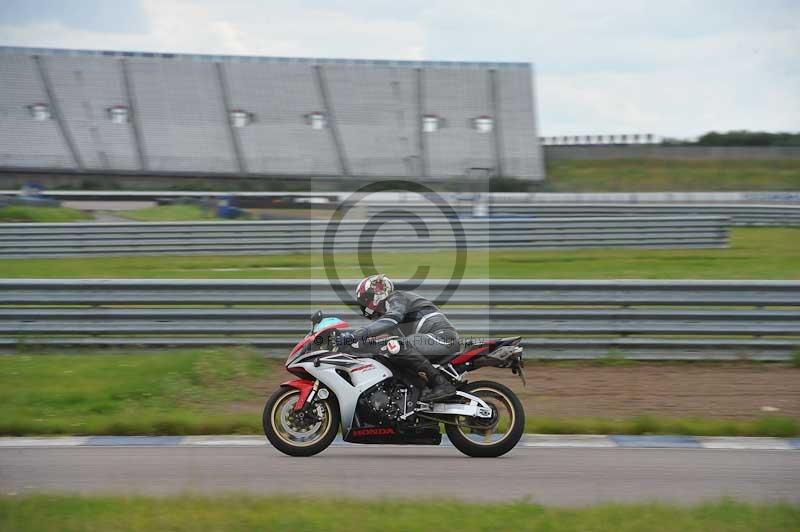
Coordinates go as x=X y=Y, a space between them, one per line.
x=299 y=433
x=489 y=438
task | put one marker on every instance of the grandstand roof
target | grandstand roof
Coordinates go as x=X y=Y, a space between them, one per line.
x=262 y=59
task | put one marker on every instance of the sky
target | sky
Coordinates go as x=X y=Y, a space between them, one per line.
x=674 y=68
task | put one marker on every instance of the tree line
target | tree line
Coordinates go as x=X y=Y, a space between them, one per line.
x=748 y=138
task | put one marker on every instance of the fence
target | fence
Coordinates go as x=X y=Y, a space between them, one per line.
x=697 y=320
x=672 y=152
x=739 y=214
x=96 y=239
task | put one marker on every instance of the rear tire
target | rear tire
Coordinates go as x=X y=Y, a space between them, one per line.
x=510 y=438
x=280 y=429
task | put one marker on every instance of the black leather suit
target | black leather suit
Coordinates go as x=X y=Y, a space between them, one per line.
x=427 y=333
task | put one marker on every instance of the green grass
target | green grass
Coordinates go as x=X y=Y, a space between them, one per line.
x=645 y=175
x=169 y=392
x=66 y=513
x=222 y=391
x=755 y=253
x=21 y=213
x=772 y=426
x=169 y=213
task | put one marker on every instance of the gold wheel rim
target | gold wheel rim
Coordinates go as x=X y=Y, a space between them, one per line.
x=488 y=438
x=286 y=429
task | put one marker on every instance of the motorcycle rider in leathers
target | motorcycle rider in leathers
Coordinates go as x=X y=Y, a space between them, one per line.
x=425 y=332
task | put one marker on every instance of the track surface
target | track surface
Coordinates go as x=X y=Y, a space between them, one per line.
x=563 y=476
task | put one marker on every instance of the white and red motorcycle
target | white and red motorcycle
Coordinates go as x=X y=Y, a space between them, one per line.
x=376 y=401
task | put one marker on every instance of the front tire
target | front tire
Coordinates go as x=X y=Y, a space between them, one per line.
x=294 y=436
x=481 y=441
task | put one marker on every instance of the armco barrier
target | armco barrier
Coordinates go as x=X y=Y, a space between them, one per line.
x=739 y=214
x=103 y=239
x=398 y=198
x=696 y=320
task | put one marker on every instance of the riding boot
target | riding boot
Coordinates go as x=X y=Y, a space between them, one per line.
x=438 y=385
x=438 y=388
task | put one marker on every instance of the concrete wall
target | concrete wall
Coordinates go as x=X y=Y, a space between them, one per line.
x=657 y=151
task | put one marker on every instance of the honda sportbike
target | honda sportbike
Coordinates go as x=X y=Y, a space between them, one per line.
x=376 y=401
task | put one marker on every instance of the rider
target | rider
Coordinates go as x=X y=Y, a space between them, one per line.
x=424 y=330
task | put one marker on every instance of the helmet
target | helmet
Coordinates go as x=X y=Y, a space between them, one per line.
x=371 y=293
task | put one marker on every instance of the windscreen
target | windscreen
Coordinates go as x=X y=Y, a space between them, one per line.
x=325 y=323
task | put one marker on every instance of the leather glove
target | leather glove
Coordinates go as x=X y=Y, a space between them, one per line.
x=345 y=338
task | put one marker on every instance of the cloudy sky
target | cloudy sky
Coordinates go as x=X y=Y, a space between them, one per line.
x=674 y=68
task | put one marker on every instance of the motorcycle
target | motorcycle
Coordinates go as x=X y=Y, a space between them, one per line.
x=376 y=401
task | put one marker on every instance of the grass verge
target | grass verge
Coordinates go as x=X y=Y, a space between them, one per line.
x=221 y=391
x=21 y=213
x=771 y=426
x=649 y=175
x=755 y=253
x=173 y=392
x=169 y=213
x=247 y=512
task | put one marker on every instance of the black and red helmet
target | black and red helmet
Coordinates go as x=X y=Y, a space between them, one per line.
x=371 y=294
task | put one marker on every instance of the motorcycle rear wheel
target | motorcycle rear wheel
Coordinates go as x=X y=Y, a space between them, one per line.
x=472 y=439
x=294 y=436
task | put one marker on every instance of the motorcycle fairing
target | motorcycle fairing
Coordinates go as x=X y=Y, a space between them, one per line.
x=428 y=435
x=362 y=372
x=501 y=353
x=314 y=336
x=469 y=355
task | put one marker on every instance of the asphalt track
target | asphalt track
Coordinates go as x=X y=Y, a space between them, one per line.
x=563 y=476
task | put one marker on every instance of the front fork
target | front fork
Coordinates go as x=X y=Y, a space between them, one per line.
x=310 y=399
x=303 y=408
x=307 y=388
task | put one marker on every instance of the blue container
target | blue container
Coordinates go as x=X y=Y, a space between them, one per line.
x=229 y=212
x=226 y=207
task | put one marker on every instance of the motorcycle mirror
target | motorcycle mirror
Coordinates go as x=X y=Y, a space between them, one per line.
x=316 y=317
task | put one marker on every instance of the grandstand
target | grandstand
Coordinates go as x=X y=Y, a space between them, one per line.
x=149 y=114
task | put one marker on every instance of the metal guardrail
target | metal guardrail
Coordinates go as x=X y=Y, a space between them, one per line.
x=103 y=239
x=28 y=201
x=400 y=197
x=739 y=214
x=696 y=320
